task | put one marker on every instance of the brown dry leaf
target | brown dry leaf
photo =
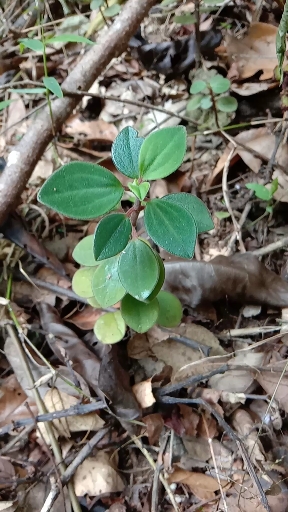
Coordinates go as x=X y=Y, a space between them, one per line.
x=189 y=419
x=38 y=494
x=144 y=394
x=272 y=417
x=240 y=277
x=11 y=397
x=281 y=193
x=245 y=498
x=202 y=486
x=154 y=425
x=256 y=51
x=86 y=318
x=90 y=130
x=42 y=171
x=208 y=427
x=7 y=471
x=245 y=427
x=96 y=475
x=251 y=88
x=200 y=367
x=16 y=112
x=274 y=385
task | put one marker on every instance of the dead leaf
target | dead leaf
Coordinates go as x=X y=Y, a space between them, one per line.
x=11 y=397
x=16 y=112
x=144 y=394
x=86 y=318
x=7 y=471
x=38 y=494
x=241 y=278
x=42 y=171
x=256 y=51
x=245 y=497
x=268 y=414
x=251 y=88
x=273 y=385
x=154 y=425
x=96 y=475
x=281 y=193
x=245 y=427
x=189 y=419
x=98 y=129
x=201 y=485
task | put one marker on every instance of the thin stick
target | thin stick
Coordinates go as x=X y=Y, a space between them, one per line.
x=275 y=246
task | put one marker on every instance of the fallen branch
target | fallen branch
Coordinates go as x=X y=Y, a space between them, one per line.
x=24 y=157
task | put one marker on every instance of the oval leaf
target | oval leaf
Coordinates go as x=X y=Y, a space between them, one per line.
x=111 y=236
x=170 y=310
x=160 y=281
x=141 y=190
x=110 y=328
x=171 y=226
x=139 y=315
x=81 y=190
x=138 y=269
x=227 y=104
x=197 y=86
x=125 y=152
x=106 y=286
x=219 y=84
x=82 y=282
x=195 y=207
x=194 y=103
x=52 y=85
x=162 y=152
x=83 y=252
x=206 y=103
x=32 y=44
x=69 y=38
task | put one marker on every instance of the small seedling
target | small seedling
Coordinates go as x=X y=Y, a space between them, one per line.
x=264 y=193
x=118 y=264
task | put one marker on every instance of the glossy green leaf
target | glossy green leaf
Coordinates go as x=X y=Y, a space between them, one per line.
x=32 y=90
x=162 y=152
x=171 y=226
x=185 y=19
x=125 y=152
x=111 y=11
x=138 y=269
x=81 y=190
x=219 y=84
x=5 y=104
x=110 y=328
x=106 y=286
x=111 y=236
x=260 y=191
x=227 y=104
x=197 y=86
x=274 y=186
x=195 y=207
x=206 y=103
x=69 y=38
x=82 y=282
x=32 y=44
x=83 y=252
x=95 y=4
x=139 y=315
x=160 y=281
x=93 y=302
x=141 y=190
x=52 y=85
x=195 y=102
x=170 y=310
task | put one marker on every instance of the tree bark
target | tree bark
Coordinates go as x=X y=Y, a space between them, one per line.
x=25 y=155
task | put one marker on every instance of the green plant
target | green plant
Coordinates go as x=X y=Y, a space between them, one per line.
x=264 y=193
x=119 y=264
x=108 y=11
x=211 y=104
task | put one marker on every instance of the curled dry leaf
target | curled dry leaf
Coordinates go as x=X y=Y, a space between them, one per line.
x=245 y=427
x=202 y=486
x=240 y=277
x=96 y=475
x=144 y=394
x=154 y=425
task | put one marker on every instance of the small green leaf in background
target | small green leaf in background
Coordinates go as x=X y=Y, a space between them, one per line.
x=52 y=85
x=111 y=236
x=32 y=44
x=185 y=19
x=222 y=215
x=168 y=2
x=125 y=152
x=110 y=328
x=82 y=282
x=69 y=38
x=206 y=103
x=83 y=252
x=95 y=4
x=227 y=104
x=162 y=152
x=219 y=84
x=81 y=190
x=33 y=90
x=138 y=269
x=5 y=104
x=195 y=207
x=197 y=86
x=195 y=102
x=141 y=190
x=112 y=11
x=170 y=310
x=260 y=191
x=106 y=286
x=171 y=226
x=160 y=281
x=281 y=39
x=139 y=315
x=274 y=187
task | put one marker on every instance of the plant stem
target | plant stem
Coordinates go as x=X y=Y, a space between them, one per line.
x=135 y=213
x=214 y=106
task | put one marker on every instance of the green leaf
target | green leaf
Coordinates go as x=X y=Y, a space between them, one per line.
x=195 y=207
x=83 y=252
x=95 y=4
x=227 y=104
x=33 y=90
x=111 y=236
x=194 y=103
x=82 y=282
x=197 y=86
x=206 y=103
x=219 y=84
x=110 y=328
x=5 y=104
x=112 y=11
x=139 y=315
x=93 y=302
x=106 y=286
x=185 y=19
x=51 y=83
x=281 y=39
x=138 y=269
x=141 y=190
x=125 y=152
x=171 y=226
x=269 y=209
x=260 y=191
x=32 y=44
x=222 y=215
x=162 y=152
x=160 y=281
x=274 y=187
x=170 y=310
x=81 y=190
x=69 y=38
x=168 y=2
